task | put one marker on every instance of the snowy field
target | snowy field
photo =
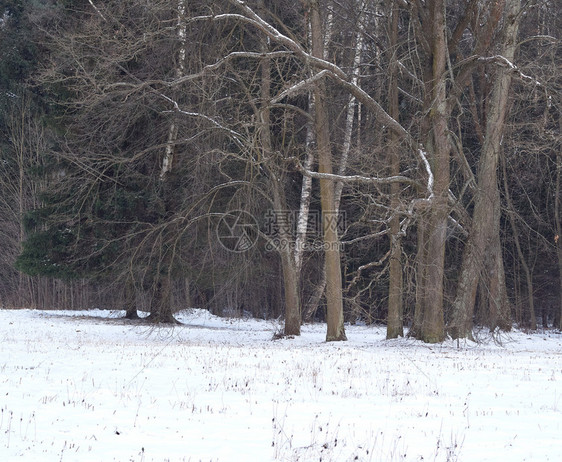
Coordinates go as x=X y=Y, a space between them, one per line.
x=83 y=386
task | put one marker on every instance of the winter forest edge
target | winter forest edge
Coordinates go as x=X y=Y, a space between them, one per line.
x=354 y=161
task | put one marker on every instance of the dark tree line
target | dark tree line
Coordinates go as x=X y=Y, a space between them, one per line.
x=393 y=162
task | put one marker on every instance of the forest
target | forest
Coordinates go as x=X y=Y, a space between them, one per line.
x=341 y=161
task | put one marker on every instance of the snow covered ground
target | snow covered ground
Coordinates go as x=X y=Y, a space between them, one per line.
x=77 y=386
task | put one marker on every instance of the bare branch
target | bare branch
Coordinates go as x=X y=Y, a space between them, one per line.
x=223 y=61
x=502 y=61
x=384 y=232
x=299 y=87
x=335 y=71
x=97 y=10
x=357 y=178
x=366 y=267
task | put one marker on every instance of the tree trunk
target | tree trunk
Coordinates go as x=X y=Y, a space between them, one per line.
x=314 y=300
x=421 y=277
x=129 y=295
x=499 y=310
x=485 y=222
x=432 y=328
x=288 y=262
x=334 y=298
x=558 y=237
x=161 y=311
x=304 y=208
x=293 y=318
x=394 y=326
x=531 y=319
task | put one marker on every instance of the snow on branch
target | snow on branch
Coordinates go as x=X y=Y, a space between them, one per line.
x=430 y=179
x=299 y=87
x=237 y=137
x=356 y=178
x=226 y=59
x=506 y=63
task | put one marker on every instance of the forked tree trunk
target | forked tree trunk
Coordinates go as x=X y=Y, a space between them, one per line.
x=334 y=300
x=485 y=222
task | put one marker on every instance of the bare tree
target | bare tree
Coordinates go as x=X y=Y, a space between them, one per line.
x=558 y=213
x=395 y=326
x=327 y=193
x=485 y=221
x=178 y=113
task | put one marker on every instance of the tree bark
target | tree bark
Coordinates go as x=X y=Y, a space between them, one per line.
x=161 y=308
x=432 y=328
x=558 y=219
x=334 y=299
x=161 y=311
x=394 y=326
x=531 y=319
x=485 y=222
x=293 y=318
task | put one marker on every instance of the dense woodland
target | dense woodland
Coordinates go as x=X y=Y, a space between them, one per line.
x=396 y=162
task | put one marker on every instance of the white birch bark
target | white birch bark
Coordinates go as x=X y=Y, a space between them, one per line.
x=168 y=160
x=350 y=116
x=306 y=189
